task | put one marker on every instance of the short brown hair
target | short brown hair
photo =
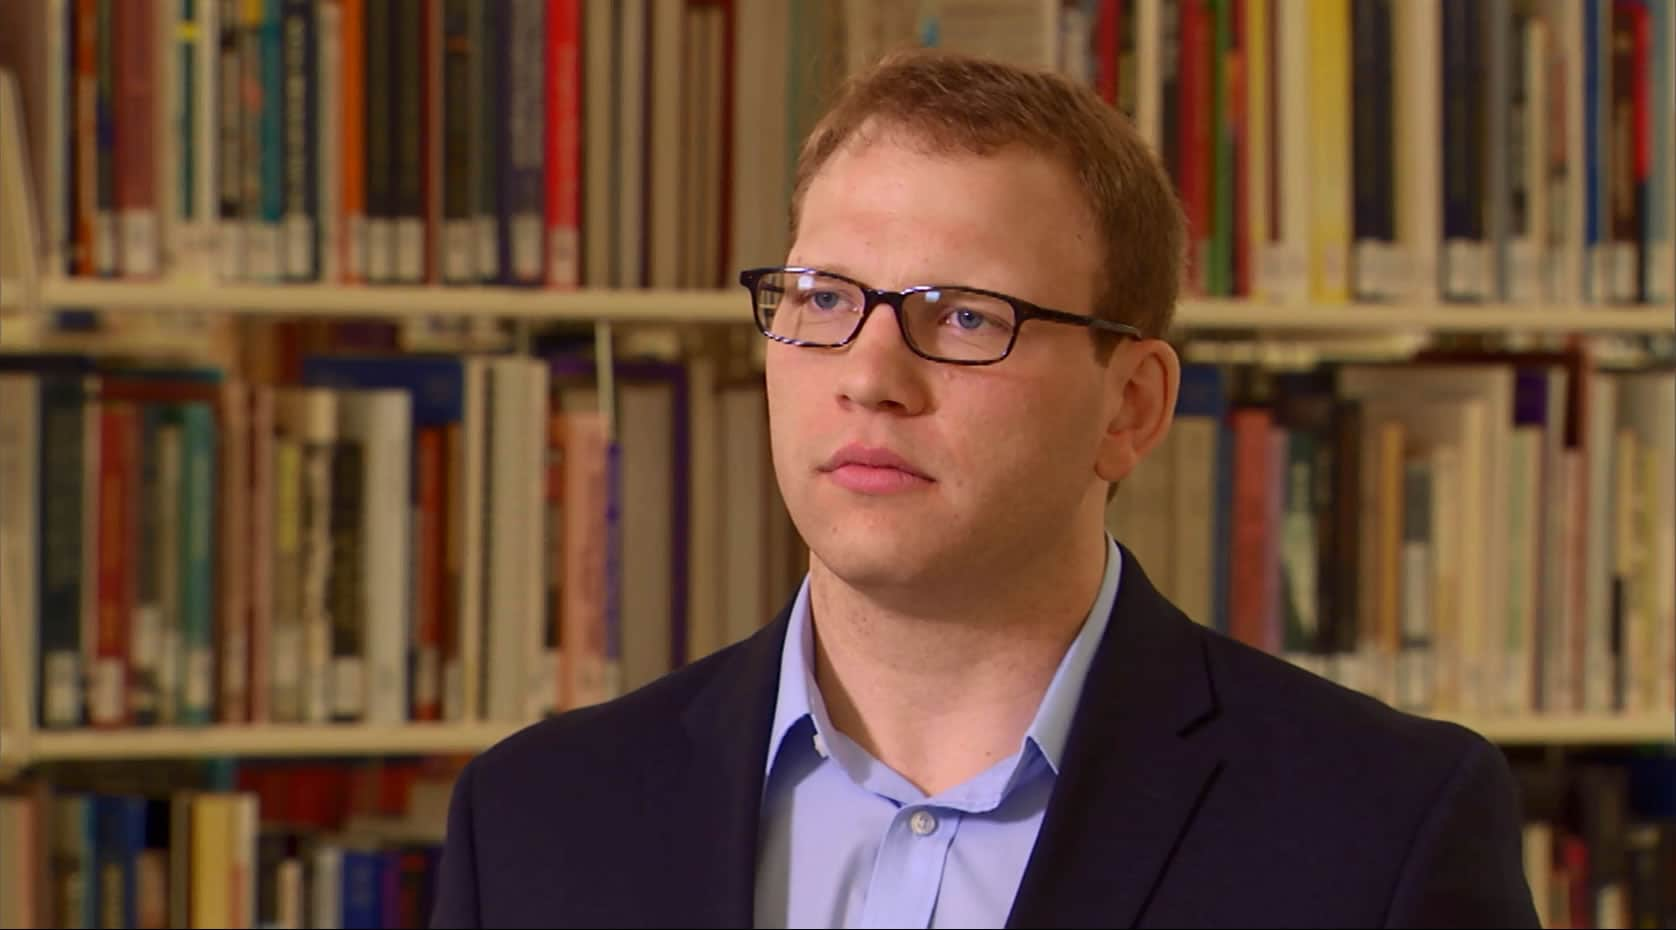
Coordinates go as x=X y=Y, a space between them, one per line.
x=952 y=102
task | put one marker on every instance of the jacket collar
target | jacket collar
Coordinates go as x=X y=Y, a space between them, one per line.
x=1133 y=775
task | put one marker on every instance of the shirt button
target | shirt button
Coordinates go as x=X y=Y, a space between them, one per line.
x=923 y=823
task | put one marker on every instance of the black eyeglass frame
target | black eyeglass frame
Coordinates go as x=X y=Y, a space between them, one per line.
x=1023 y=312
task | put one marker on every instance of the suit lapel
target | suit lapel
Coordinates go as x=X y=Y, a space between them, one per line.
x=1134 y=771
x=713 y=802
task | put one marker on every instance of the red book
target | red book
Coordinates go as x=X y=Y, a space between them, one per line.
x=118 y=516
x=564 y=142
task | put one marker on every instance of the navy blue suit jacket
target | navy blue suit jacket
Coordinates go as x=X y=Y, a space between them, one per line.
x=1204 y=783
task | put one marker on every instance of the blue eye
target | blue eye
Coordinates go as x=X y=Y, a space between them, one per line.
x=969 y=319
x=825 y=300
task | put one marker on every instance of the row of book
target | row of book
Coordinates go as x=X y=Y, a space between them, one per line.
x=365 y=534
x=1599 y=840
x=271 y=845
x=324 y=844
x=1504 y=150
x=1479 y=533
x=378 y=538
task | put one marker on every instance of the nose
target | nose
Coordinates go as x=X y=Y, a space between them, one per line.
x=878 y=371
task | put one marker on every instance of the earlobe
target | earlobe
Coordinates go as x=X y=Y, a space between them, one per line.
x=1143 y=390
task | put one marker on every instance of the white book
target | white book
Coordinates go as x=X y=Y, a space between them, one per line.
x=667 y=149
x=1418 y=138
x=462 y=672
x=630 y=182
x=381 y=421
x=20 y=543
x=516 y=502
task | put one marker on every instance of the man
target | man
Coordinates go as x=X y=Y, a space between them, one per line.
x=978 y=711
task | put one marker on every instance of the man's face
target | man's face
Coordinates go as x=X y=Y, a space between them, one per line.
x=999 y=460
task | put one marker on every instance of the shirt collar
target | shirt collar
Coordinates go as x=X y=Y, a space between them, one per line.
x=800 y=697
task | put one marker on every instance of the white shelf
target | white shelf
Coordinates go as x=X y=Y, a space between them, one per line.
x=405 y=302
x=268 y=740
x=729 y=305
x=275 y=740
x=1573 y=730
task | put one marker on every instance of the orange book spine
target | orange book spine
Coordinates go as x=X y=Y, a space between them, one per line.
x=564 y=143
x=118 y=513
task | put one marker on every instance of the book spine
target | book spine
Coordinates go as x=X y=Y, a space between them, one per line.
x=197 y=575
x=352 y=124
x=564 y=143
x=116 y=502
x=523 y=245
x=301 y=214
x=379 y=166
x=137 y=99
x=229 y=148
x=459 y=109
x=63 y=448
x=107 y=255
x=405 y=198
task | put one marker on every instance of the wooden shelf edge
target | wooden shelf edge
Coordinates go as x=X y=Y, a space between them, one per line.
x=726 y=305
x=294 y=740
x=1580 y=729
x=267 y=740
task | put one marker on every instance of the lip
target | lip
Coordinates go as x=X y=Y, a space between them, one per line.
x=873 y=470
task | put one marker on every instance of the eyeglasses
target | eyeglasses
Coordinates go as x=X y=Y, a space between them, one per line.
x=956 y=325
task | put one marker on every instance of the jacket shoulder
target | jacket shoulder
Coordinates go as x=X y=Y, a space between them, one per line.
x=601 y=743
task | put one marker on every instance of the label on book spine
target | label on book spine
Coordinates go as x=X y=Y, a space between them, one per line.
x=453 y=691
x=355 y=228
x=286 y=644
x=381 y=260
x=1661 y=273
x=261 y=253
x=200 y=679
x=1283 y=273
x=564 y=257
x=1466 y=265
x=299 y=246
x=139 y=243
x=1525 y=274
x=488 y=248
x=1626 y=284
x=349 y=688
x=105 y=699
x=229 y=250
x=527 y=247
x=410 y=250
x=61 y=706
x=459 y=251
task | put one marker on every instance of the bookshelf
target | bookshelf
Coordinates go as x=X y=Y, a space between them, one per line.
x=264 y=741
x=726 y=305
x=413 y=739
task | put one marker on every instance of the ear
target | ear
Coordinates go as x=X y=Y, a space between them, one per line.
x=1142 y=380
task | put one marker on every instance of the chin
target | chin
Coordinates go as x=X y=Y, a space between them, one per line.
x=881 y=550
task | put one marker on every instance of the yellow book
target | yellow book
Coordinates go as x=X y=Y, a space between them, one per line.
x=210 y=886
x=1256 y=181
x=1329 y=102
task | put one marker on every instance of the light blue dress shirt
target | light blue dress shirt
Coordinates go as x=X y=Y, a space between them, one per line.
x=848 y=842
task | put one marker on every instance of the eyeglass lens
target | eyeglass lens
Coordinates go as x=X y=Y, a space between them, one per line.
x=947 y=323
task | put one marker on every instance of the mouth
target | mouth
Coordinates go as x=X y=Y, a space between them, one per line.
x=873 y=470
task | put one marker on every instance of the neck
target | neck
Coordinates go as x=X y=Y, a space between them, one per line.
x=942 y=686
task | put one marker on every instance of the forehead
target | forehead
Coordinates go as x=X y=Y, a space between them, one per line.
x=894 y=213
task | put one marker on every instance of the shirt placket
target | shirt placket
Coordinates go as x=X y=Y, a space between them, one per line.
x=908 y=872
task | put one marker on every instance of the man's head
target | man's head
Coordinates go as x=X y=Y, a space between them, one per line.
x=933 y=169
